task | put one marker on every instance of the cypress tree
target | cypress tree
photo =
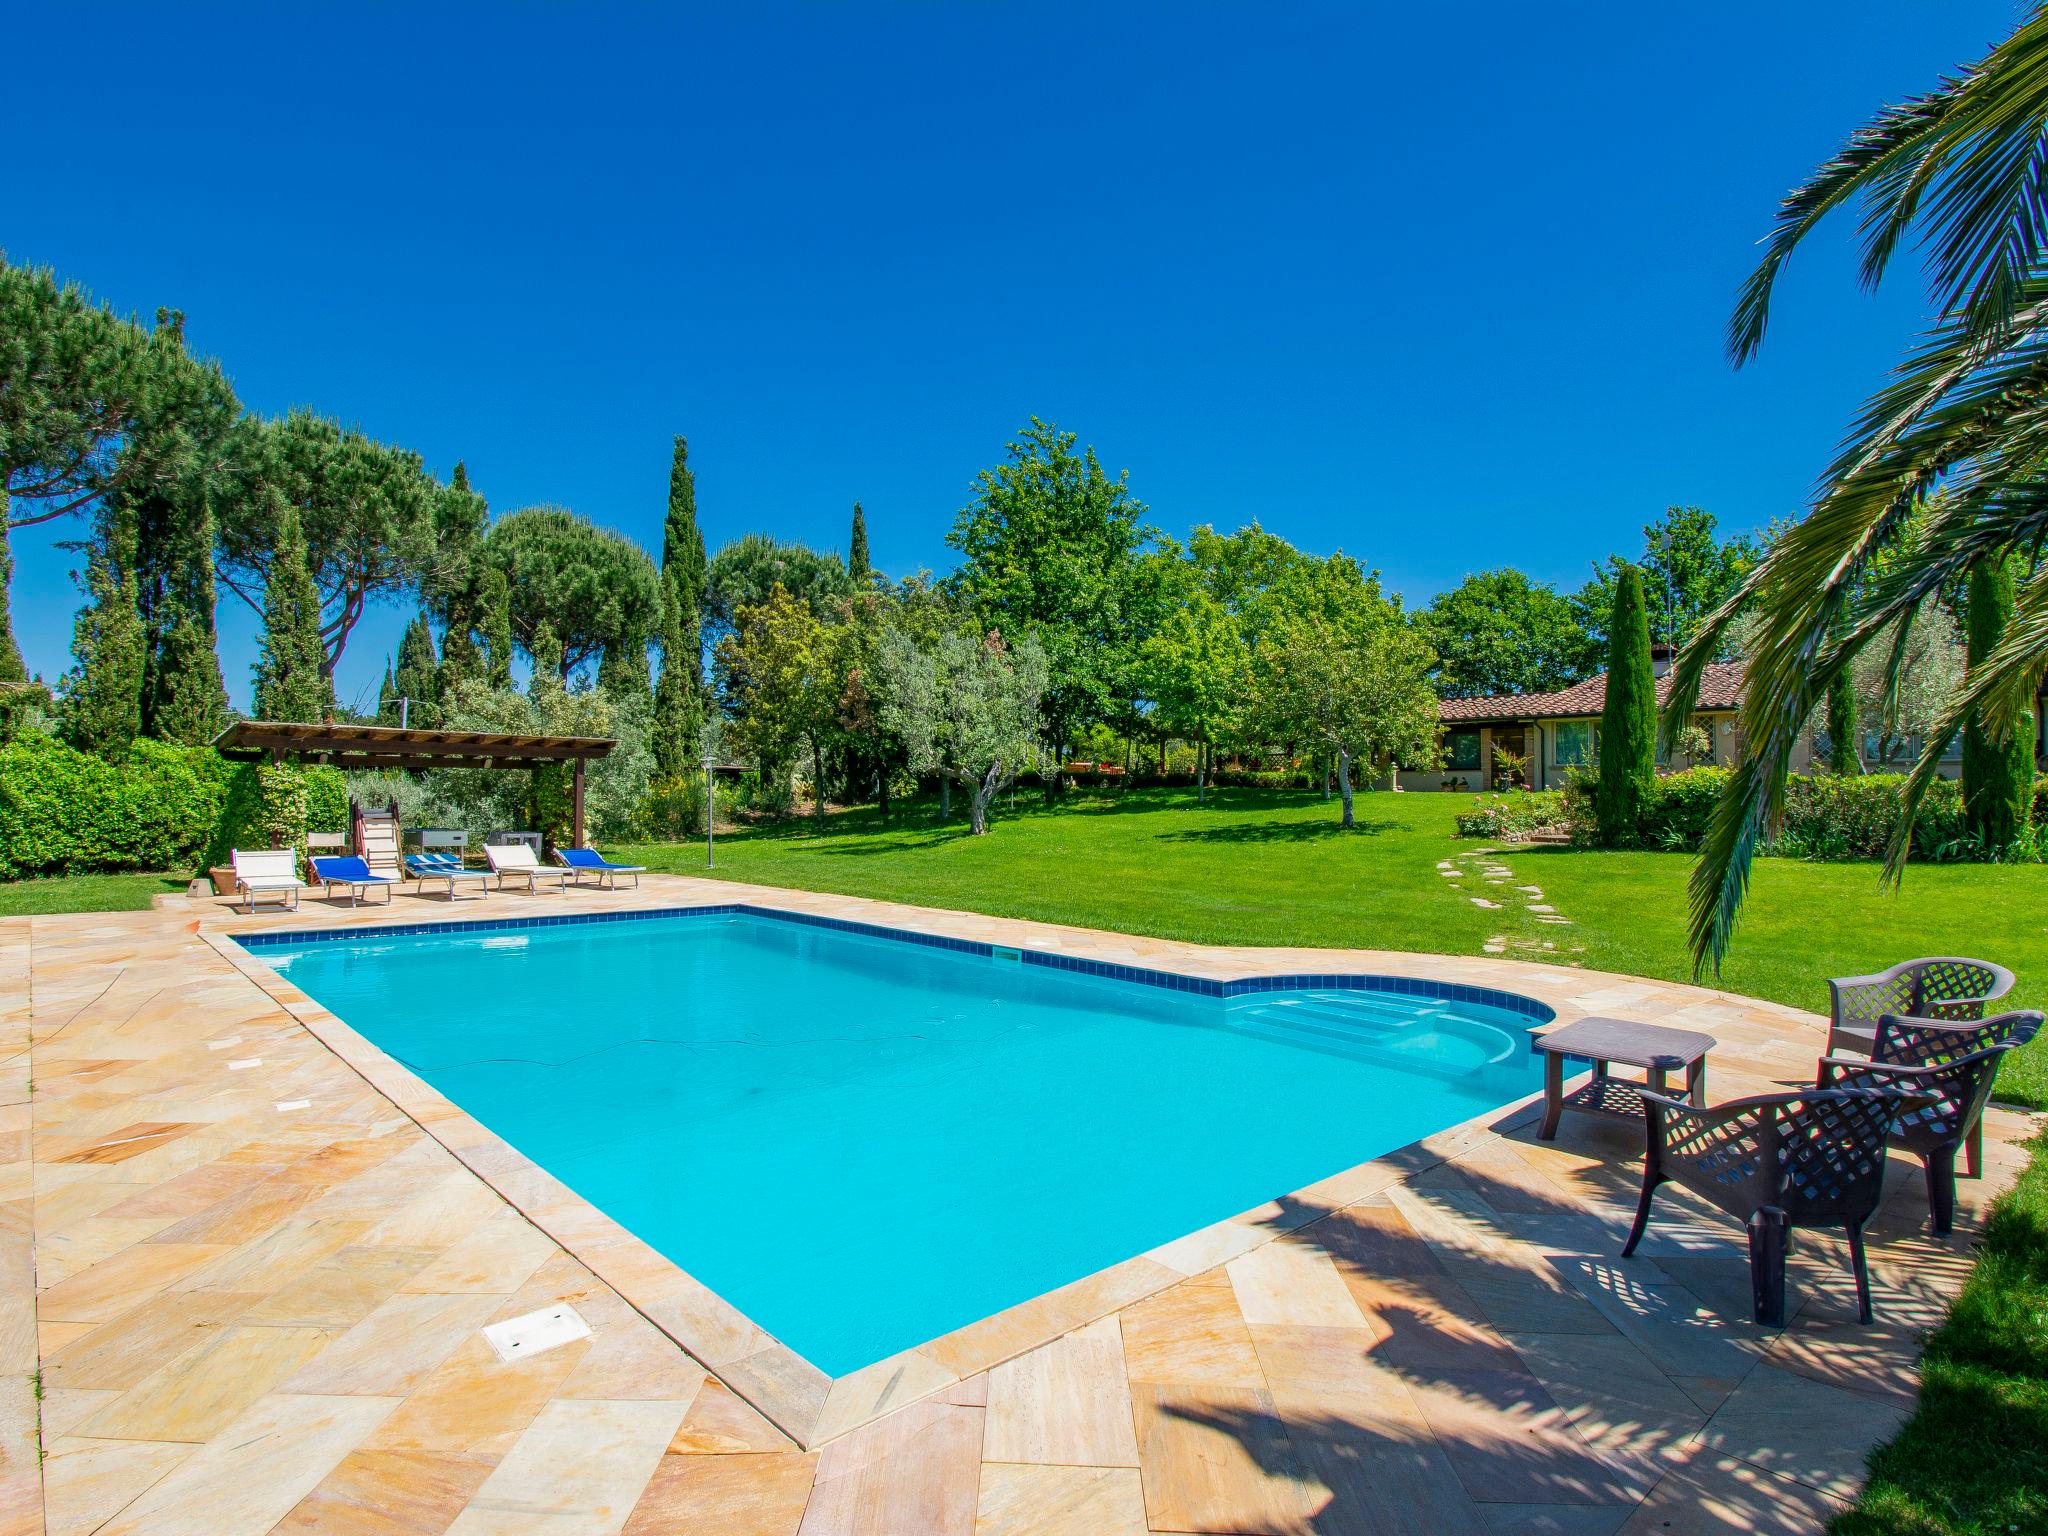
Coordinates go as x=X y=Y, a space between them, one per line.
x=496 y=602
x=461 y=660
x=1844 y=756
x=184 y=698
x=547 y=664
x=622 y=671
x=678 y=698
x=12 y=668
x=857 y=550
x=387 y=698
x=291 y=676
x=103 y=695
x=417 y=677
x=1628 y=720
x=1998 y=776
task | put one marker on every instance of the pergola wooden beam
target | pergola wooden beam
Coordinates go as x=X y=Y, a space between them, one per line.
x=395 y=747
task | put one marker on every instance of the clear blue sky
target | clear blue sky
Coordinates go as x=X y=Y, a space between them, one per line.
x=1441 y=286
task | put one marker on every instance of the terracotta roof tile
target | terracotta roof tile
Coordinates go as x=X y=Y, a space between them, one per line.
x=1720 y=688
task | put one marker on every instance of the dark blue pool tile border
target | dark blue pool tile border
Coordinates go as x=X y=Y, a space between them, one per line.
x=1173 y=981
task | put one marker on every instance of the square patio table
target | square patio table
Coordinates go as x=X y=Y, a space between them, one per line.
x=1657 y=1050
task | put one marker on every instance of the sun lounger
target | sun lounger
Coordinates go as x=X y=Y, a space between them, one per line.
x=427 y=866
x=588 y=861
x=271 y=873
x=516 y=861
x=352 y=873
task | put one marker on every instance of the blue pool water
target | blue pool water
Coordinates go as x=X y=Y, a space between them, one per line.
x=864 y=1143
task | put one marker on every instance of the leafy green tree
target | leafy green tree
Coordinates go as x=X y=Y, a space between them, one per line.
x=595 y=589
x=857 y=567
x=1940 y=470
x=1687 y=570
x=1339 y=670
x=494 y=601
x=1498 y=632
x=373 y=520
x=1195 y=669
x=102 y=705
x=742 y=574
x=1048 y=548
x=679 y=697
x=966 y=707
x=292 y=680
x=416 y=679
x=1998 y=769
x=1628 y=718
x=781 y=671
x=1239 y=569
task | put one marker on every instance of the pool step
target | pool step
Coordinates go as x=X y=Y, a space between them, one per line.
x=1357 y=1025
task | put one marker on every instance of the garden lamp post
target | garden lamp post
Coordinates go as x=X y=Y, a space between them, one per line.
x=710 y=813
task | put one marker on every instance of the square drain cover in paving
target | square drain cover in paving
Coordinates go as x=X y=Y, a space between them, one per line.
x=537 y=1332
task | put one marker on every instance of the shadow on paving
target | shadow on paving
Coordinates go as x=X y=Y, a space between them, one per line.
x=1515 y=1359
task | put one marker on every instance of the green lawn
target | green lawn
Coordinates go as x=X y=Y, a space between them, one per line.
x=86 y=893
x=1271 y=867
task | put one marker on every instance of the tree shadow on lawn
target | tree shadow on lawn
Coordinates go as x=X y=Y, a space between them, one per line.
x=1275 y=832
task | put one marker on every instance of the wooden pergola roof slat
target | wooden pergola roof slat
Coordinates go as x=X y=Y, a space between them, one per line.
x=386 y=746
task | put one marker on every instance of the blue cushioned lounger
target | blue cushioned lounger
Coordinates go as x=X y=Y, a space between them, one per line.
x=353 y=873
x=588 y=861
x=445 y=866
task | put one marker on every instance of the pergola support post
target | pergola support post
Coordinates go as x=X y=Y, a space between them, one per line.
x=576 y=811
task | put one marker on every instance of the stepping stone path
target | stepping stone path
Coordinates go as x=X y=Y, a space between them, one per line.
x=1496 y=873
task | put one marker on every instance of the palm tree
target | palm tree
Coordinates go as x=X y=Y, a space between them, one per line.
x=1947 y=464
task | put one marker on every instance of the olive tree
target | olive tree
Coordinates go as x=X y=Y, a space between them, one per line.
x=965 y=707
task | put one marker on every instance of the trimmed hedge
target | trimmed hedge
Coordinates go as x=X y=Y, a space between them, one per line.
x=1826 y=817
x=67 y=812
x=63 y=811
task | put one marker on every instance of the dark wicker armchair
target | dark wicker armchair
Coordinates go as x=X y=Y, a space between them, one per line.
x=1777 y=1161
x=1943 y=988
x=1954 y=1063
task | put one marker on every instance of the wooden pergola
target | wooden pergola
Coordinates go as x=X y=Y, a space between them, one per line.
x=387 y=746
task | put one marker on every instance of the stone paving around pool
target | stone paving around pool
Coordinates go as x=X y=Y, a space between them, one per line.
x=250 y=1264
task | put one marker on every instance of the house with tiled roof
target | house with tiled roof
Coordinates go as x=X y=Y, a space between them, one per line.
x=1556 y=732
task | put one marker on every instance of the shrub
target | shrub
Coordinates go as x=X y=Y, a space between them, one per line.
x=64 y=812
x=1513 y=815
x=303 y=800
x=1678 y=808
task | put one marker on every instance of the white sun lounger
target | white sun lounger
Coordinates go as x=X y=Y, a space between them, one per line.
x=267 y=874
x=517 y=861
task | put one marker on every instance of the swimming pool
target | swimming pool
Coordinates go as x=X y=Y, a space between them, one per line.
x=864 y=1140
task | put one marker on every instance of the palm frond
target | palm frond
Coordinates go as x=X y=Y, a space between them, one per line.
x=1963 y=163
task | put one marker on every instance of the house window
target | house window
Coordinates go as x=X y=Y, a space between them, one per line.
x=1574 y=743
x=1461 y=750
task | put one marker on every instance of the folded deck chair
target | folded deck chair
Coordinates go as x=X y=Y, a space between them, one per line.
x=516 y=861
x=353 y=873
x=271 y=873
x=588 y=861
x=444 y=866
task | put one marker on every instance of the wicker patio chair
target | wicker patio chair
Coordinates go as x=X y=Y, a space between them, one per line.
x=1918 y=1057
x=1943 y=987
x=1776 y=1161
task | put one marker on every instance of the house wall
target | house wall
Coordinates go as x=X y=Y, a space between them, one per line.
x=1547 y=773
